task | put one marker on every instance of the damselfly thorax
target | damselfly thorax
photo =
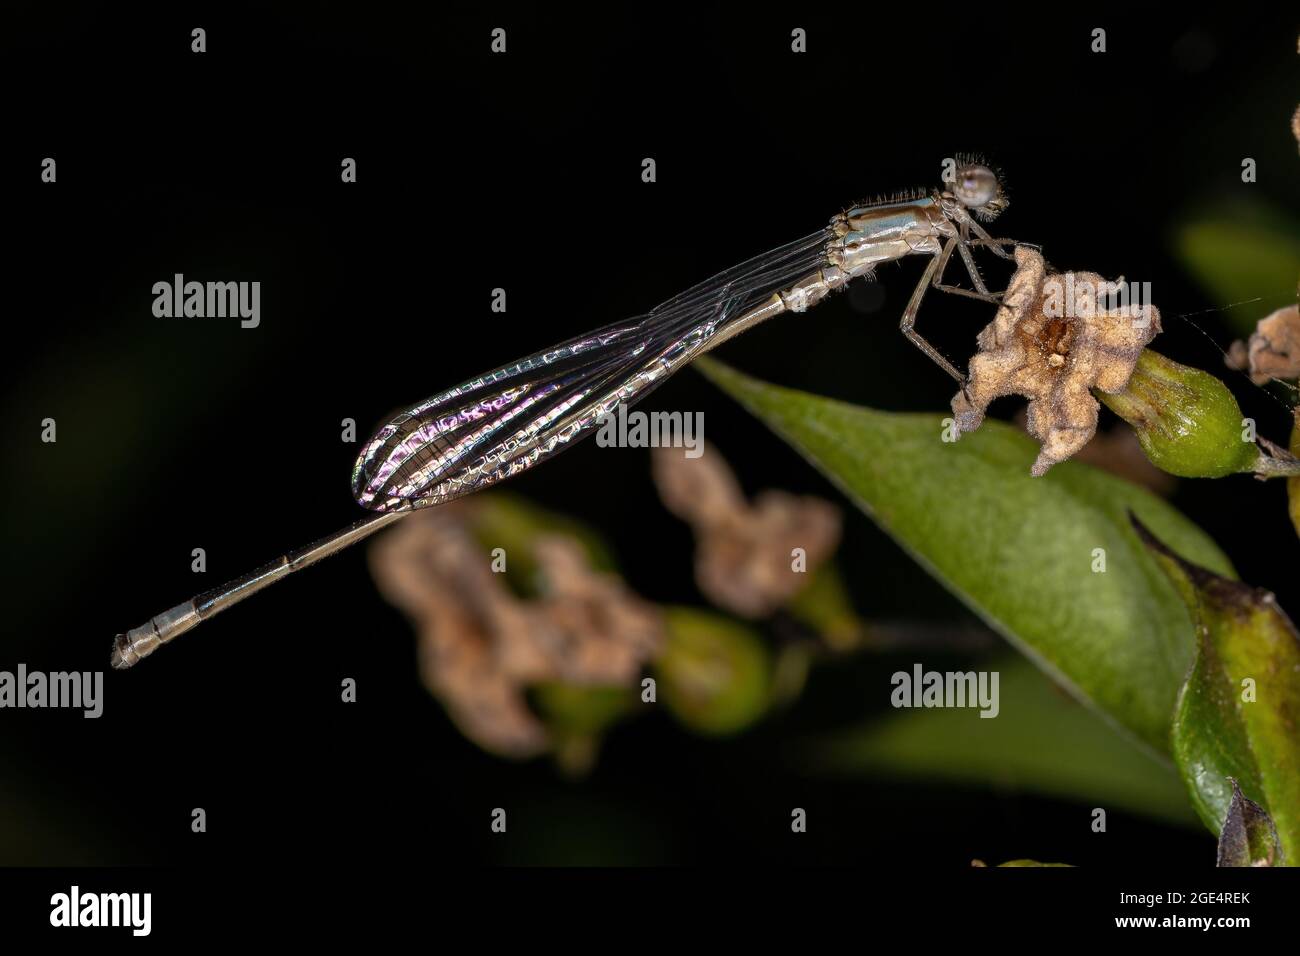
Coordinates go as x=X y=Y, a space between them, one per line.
x=506 y=421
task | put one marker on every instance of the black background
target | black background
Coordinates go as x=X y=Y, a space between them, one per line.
x=520 y=171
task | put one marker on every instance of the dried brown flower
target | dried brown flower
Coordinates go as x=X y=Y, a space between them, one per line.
x=1274 y=348
x=1055 y=338
x=603 y=633
x=743 y=552
x=481 y=647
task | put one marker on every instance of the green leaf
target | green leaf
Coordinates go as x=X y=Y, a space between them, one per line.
x=1238 y=716
x=1239 y=253
x=1042 y=741
x=1249 y=837
x=1019 y=551
x=713 y=674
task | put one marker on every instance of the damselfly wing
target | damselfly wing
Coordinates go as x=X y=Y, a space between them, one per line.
x=512 y=418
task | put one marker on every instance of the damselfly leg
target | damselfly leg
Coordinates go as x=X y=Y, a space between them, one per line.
x=932 y=278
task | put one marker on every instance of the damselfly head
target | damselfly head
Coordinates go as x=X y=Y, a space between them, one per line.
x=979 y=189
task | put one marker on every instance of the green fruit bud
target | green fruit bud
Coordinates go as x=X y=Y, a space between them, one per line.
x=1186 y=420
x=577 y=717
x=714 y=674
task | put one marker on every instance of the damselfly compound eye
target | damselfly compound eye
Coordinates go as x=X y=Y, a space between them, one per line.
x=976 y=186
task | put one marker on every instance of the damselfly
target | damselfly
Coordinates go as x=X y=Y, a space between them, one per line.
x=508 y=420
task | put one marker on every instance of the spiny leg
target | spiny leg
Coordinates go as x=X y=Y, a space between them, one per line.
x=908 y=325
x=972 y=269
x=966 y=227
x=997 y=244
x=984 y=239
x=982 y=294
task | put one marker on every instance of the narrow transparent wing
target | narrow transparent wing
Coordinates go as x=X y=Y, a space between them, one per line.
x=506 y=421
x=755 y=273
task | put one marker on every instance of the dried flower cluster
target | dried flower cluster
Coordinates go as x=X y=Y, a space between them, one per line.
x=743 y=551
x=1055 y=338
x=481 y=647
x=1273 y=350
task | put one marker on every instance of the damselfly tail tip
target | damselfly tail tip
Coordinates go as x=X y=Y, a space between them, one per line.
x=142 y=641
x=123 y=654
